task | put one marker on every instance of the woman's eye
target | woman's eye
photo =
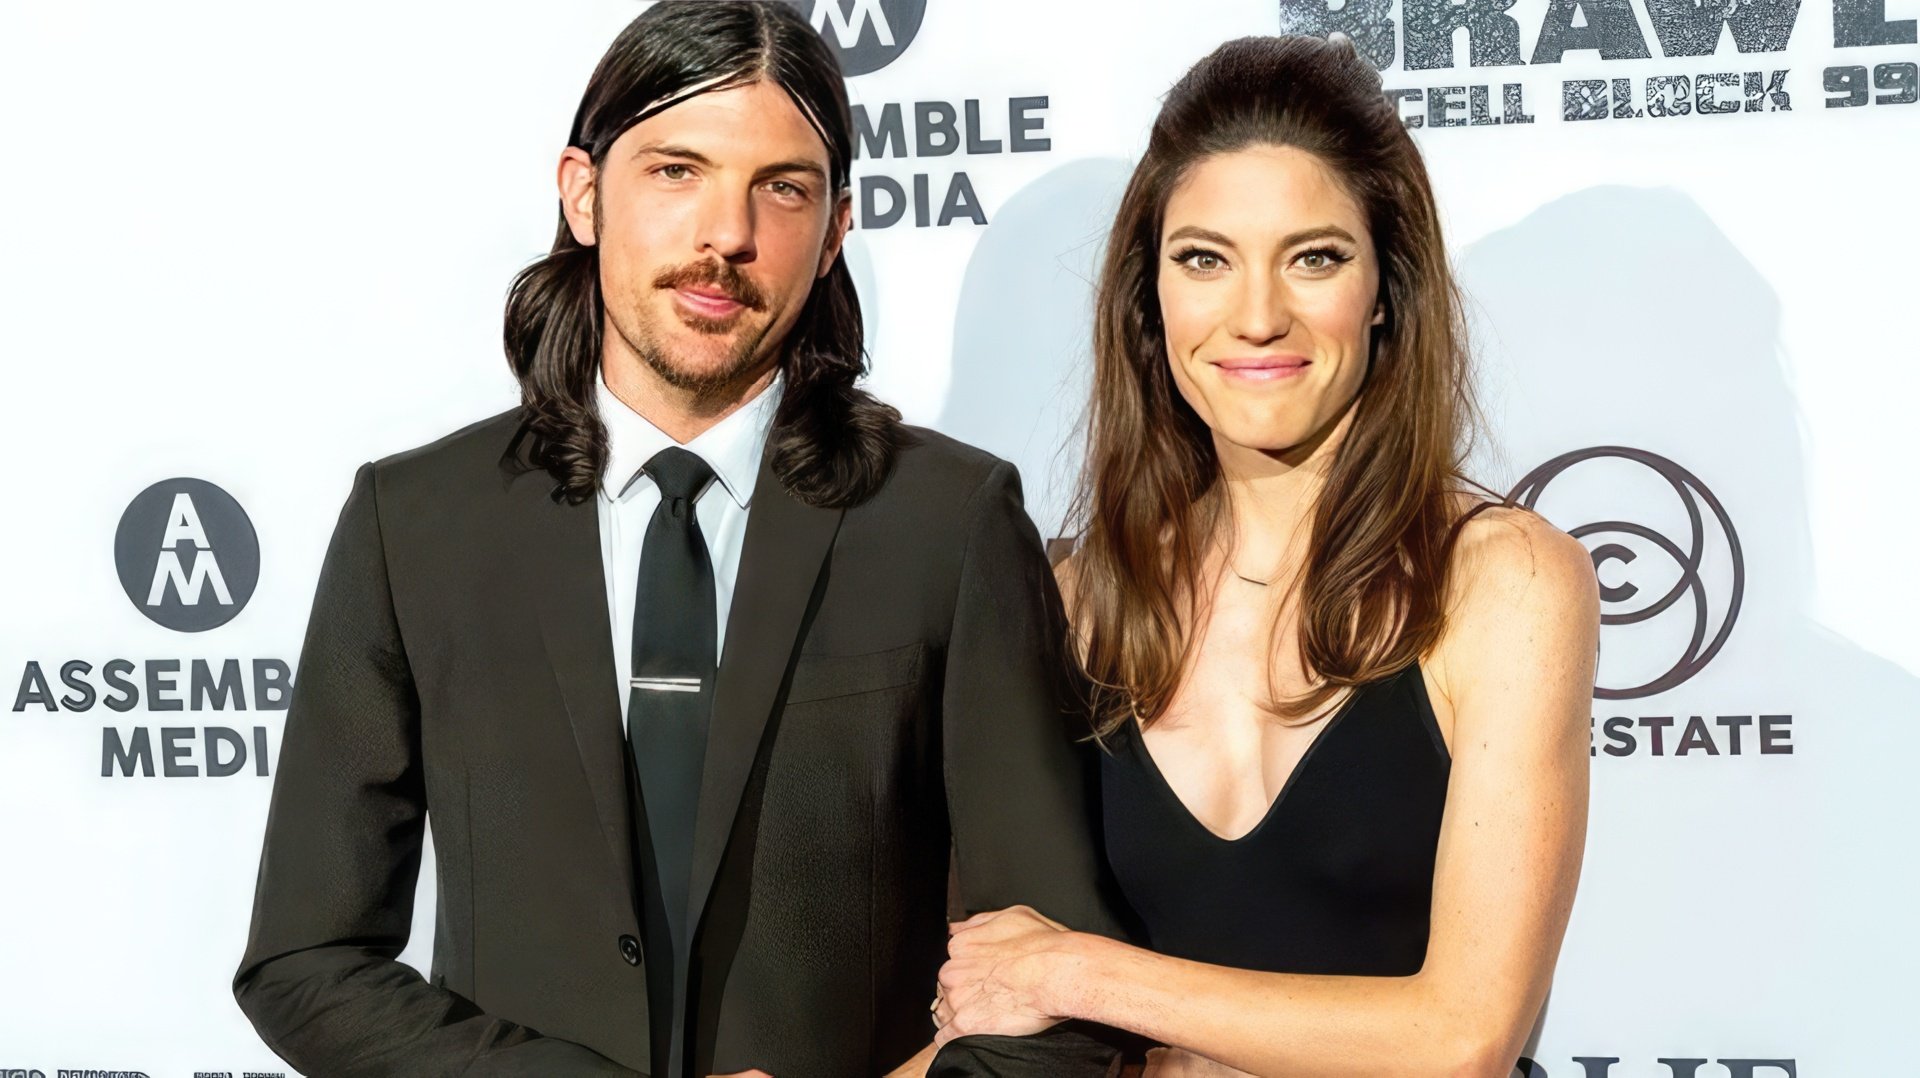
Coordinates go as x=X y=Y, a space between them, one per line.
x=1322 y=258
x=1201 y=260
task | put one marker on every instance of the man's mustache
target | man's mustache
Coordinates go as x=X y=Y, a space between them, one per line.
x=715 y=276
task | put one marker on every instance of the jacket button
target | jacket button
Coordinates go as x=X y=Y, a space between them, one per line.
x=630 y=950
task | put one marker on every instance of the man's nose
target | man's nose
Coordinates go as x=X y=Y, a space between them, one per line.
x=726 y=224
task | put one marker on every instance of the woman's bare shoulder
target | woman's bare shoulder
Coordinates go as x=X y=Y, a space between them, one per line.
x=1503 y=549
x=1518 y=589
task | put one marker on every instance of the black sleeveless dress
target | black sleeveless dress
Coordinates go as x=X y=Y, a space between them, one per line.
x=1338 y=876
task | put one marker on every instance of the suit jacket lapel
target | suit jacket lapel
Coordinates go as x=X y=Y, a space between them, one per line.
x=785 y=550
x=560 y=568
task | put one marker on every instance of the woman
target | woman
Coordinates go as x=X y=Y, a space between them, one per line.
x=1342 y=700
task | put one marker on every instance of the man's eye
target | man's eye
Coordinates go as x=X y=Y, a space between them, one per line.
x=674 y=172
x=782 y=187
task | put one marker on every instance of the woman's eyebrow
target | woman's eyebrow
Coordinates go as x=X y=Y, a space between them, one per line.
x=1195 y=232
x=1314 y=233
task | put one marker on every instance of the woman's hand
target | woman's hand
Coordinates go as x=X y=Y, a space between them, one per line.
x=1000 y=975
x=1177 y=1063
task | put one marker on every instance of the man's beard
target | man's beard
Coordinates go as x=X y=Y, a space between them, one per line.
x=717 y=384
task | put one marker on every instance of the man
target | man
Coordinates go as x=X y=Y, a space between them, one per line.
x=699 y=663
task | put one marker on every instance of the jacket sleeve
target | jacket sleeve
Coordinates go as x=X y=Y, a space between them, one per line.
x=334 y=899
x=1072 y=1048
x=1019 y=791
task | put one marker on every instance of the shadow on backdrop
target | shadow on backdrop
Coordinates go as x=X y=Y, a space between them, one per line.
x=1022 y=355
x=1622 y=316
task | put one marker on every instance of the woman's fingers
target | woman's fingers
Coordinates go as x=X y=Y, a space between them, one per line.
x=1000 y=928
x=977 y=919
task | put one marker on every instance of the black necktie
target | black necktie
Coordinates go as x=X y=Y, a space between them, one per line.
x=668 y=703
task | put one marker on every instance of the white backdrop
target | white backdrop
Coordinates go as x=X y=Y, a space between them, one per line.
x=254 y=245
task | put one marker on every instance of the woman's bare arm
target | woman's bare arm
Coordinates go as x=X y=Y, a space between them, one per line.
x=1515 y=669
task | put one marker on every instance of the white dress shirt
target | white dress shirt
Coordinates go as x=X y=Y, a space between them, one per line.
x=627 y=499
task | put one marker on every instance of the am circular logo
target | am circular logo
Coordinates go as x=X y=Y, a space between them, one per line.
x=187 y=555
x=866 y=35
x=1666 y=554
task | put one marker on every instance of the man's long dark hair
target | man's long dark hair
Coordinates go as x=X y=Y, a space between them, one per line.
x=831 y=443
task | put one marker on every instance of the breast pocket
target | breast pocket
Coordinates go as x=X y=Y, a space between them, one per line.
x=823 y=677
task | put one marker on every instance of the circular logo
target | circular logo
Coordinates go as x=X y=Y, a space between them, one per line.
x=866 y=35
x=1668 y=570
x=187 y=554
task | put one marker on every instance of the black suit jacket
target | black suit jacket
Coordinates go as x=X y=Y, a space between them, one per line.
x=888 y=693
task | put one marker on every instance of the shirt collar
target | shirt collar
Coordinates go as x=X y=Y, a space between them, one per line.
x=732 y=447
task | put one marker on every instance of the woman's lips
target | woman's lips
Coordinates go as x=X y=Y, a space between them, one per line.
x=1262 y=368
x=707 y=304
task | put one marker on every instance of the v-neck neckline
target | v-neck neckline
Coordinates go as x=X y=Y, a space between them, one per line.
x=1273 y=807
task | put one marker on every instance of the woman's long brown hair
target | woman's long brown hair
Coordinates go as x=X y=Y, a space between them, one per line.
x=1151 y=500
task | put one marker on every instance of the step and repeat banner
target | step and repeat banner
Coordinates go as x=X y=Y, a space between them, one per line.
x=246 y=247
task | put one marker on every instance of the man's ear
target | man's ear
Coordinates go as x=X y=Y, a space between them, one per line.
x=836 y=232
x=577 y=180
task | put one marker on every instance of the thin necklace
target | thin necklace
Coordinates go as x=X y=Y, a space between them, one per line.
x=1248 y=579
